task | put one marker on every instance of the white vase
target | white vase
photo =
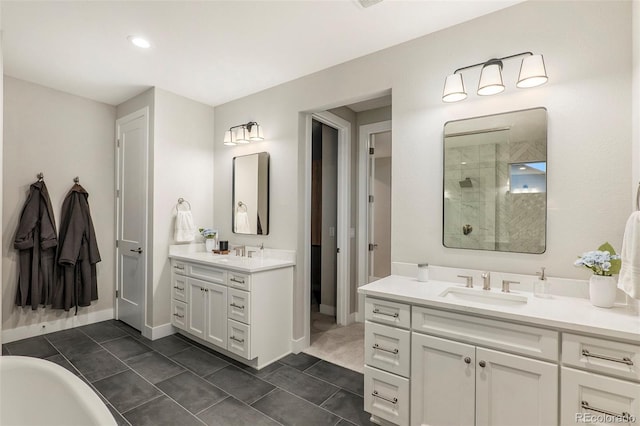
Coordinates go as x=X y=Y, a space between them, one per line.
x=210 y=244
x=602 y=291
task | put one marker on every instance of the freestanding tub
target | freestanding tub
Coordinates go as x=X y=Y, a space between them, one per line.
x=41 y=393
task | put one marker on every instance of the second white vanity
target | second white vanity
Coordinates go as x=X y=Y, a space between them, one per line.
x=438 y=355
x=239 y=306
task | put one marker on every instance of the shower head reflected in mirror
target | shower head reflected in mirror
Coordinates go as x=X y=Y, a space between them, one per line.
x=466 y=183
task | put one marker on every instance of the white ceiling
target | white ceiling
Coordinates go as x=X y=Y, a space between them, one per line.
x=210 y=51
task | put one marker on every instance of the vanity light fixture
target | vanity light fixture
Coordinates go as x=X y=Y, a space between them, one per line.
x=532 y=73
x=243 y=134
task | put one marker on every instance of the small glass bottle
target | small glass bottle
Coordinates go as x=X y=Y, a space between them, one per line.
x=423 y=272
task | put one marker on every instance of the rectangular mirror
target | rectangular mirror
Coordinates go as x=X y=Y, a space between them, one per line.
x=250 y=212
x=495 y=182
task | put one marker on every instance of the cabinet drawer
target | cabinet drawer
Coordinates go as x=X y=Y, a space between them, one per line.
x=386 y=396
x=387 y=348
x=179 y=314
x=179 y=287
x=239 y=340
x=385 y=312
x=239 y=280
x=591 y=398
x=599 y=355
x=239 y=305
x=179 y=267
x=214 y=275
x=519 y=339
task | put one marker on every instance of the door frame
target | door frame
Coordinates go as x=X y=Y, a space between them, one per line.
x=143 y=112
x=364 y=136
x=343 y=291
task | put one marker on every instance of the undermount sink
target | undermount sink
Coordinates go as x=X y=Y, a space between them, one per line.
x=492 y=297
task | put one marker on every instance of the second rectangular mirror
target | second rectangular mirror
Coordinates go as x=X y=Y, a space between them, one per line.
x=250 y=211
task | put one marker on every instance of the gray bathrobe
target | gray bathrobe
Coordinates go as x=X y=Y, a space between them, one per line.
x=77 y=255
x=36 y=242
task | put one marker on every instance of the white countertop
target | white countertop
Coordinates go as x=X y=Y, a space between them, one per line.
x=558 y=312
x=248 y=265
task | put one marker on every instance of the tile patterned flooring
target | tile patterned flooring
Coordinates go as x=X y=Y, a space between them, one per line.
x=175 y=381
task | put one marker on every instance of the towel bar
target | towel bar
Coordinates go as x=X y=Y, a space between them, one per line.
x=182 y=201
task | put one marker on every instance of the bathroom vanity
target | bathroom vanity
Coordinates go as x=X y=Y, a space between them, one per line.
x=239 y=306
x=440 y=354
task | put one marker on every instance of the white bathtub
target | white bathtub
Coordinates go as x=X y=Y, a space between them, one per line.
x=41 y=393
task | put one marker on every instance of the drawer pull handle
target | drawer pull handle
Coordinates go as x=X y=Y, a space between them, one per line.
x=179 y=267
x=178 y=315
x=236 y=339
x=625 y=360
x=384 y=398
x=380 y=348
x=378 y=311
x=625 y=417
x=237 y=306
x=236 y=281
x=178 y=288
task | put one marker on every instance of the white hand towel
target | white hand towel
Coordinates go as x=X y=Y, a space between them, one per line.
x=242 y=223
x=629 y=278
x=185 y=229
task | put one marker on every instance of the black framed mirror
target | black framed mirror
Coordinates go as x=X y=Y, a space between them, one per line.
x=250 y=209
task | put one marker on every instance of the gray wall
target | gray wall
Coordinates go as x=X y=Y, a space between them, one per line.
x=63 y=136
x=589 y=105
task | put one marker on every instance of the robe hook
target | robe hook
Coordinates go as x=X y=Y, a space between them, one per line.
x=76 y=179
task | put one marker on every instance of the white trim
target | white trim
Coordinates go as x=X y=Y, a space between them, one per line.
x=327 y=310
x=46 y=327
x=344 y=209
x=142 y=112
x=164 y=330
x=298 y=345
x=364 y=134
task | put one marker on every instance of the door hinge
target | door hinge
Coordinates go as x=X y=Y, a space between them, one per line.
x=117 y=294
x=372 y=151
x=338 y=250
x=371 y=198
x=372 y=247
x=116 y=243
x=117 y=193
x=118 y=143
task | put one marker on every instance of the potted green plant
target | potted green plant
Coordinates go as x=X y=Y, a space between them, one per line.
x=210 y=238
x=604 y=263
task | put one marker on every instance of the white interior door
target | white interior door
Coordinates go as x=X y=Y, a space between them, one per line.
x=131 y=186
x=379 y=211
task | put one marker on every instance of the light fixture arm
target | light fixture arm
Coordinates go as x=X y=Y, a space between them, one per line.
x=493 y=61
x=247 y=126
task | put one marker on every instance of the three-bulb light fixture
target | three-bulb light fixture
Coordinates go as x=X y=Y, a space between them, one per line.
x=243 y=133
x=532 y=73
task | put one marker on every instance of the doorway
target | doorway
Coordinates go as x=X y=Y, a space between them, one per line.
x=324 y=247
x=131 y=213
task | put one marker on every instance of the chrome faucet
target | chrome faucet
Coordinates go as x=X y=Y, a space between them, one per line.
x=239 y=250
x=469 y=278
x=505 y=285
x=486 y=280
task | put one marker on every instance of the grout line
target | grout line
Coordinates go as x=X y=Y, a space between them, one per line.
x=140 y=405
x=330 y=396
x=212 y=405
x=308 y=402
x=263 y=396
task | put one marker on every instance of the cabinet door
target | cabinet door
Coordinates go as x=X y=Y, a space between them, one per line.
x=216 y=314
x=442 y=382
x=589 y=398
x=512 y=390
x=196 y=314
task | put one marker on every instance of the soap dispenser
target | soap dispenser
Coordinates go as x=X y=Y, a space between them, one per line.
x=541 y=286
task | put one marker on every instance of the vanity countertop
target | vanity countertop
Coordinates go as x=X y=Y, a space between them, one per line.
x=564 y=313
x=247 y=265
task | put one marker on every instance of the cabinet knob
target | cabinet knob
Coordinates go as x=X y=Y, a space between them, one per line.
x=467 y=360
x=482 y=364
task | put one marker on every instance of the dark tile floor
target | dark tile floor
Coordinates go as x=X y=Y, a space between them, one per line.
x=175 y=381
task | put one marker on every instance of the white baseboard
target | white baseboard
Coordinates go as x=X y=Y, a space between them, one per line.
x=327 y=310
x=353 y=317
x=42 y=328
x=298 y=345
x=161 y=331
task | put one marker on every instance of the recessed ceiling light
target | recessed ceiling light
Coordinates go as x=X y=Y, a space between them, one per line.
x=139 y=42
x=523 y=168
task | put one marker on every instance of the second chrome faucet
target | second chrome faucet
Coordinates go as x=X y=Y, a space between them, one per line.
x=486 y=280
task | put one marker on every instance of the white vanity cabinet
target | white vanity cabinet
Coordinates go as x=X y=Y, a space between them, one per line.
x=591 y=396
x=245 y=315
